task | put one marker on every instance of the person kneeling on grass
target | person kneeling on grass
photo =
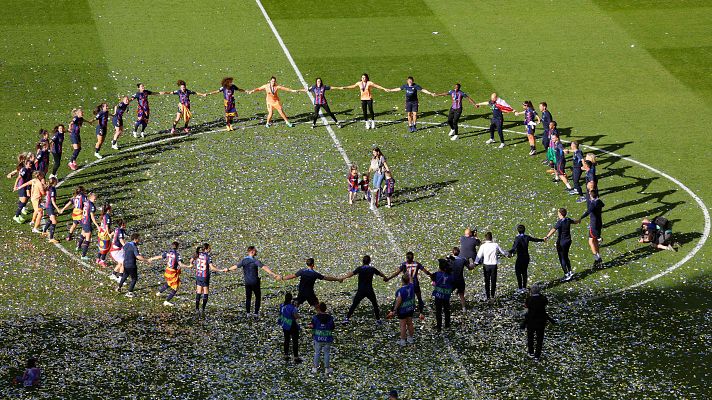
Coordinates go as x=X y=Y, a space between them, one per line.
x=322 y=325
x=404 y=308
x=288 y=316
x=535 y=321
x=657 y=233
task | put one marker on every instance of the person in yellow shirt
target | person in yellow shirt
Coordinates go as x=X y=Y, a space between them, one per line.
x=365 y=86
x=273 y=102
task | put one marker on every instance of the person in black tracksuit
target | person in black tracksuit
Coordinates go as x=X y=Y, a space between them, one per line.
x=563 y=242
x=365 y=287
x=577 y=168
x=594 y=210
x=535 y=321
x=520 y=247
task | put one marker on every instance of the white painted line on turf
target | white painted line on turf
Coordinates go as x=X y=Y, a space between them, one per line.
x=379 y=217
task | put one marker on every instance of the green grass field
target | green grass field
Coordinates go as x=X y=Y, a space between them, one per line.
x=628 y=77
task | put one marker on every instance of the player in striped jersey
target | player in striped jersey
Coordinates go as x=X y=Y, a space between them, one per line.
x=171 y=273
x=203 y=267
x=228 y=89
x=529 y=122
x=319 y=93
x=51 y=209
x=118 y=120
x=104 y=234
x=184 y=112
x=77 y=203
x=453 y=117
x=411 y=268
x=88 y=223
x=101 y=116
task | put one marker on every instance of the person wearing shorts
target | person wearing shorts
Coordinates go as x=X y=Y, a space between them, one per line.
x=595 y=226
x=271 y=90
x=411 y=90
x=404 y=308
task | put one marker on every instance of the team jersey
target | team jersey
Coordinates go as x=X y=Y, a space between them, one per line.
x=121 y=108
x=412 y=269
x=363 y=184
x=595 y=211
x=76 y=125
x=119 y=235
x=591 y=176
x=171 y=258
x=365 y=277
x=323 y=330
x=103 y=118
x=390 y=186
x=42 y=162
x=496 y=112
x=443 y=285
x=250 y=267
x=142 y=101
x=78 y=201
x=407 y=295
x=229 y=96
x=319 y=93
x=50 y=197
x=546 y=118
x=287 y=316
x=184 y=97
x=353 y=182
x=577 y=158
x=271 y=91
x=411 y=92
x=87 y=210
x=560 y=155
x=202 y=265
x=307 y=279
x=55 y=142
x=529 y=115
x=458 y=268
x=457 y=96
x=105 y=223
x=25 y=175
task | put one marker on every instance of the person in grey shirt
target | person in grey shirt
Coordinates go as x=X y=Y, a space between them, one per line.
x=250 y=268
x=469 y=244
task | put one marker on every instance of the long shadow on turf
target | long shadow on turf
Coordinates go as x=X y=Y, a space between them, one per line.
x=420 y=192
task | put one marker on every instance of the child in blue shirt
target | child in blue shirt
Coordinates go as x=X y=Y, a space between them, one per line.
x=443 y=285
x=288 y=316
x=322 y=325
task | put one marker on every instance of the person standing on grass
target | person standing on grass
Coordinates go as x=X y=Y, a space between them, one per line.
x=88 y=222
x=560 y=163
x=101 y=116
x=365 y=288
x=184 y=112
x=530 y=124
x=203 y=263
x=271 y=90
x=468 y=245
x=488 y=256
x=319 y=93
x=411 y=100
x=171 y=273
x=37 y=190
x=545 y=120
x=322 y=325
x=75 y=137
x=55 y=147
x=535 y=321
x=443 y=286
x=563 y=242
x=577 y=167
x=228 y=89
x=589 y=165
x=288 y=321
x=594 y=212
x=459 y=264
x=250 y=267
x=118 y=120
x=117 y=250
x=52 y=210
x=104 y=234
x=378 y=168
x=307 y=278
x=77 y=203
x=404 y=308
x=412 y=268
x=143 y=111
x=453 y=117
x=365 y=86
x=352 y=180
x=520 y=247
x=131 y=257
x=498 y=107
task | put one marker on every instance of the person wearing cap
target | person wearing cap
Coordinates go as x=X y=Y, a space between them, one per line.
x=535 y=321
x=307 y=278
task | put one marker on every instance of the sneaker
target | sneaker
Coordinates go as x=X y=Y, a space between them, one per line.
x=115 y=146
x=373 y=124
x=255 y=316
x=186 y=130
x=345 y=321
x=489 y=141
x=501 y=146
x=572 y=192
x=454 y=137
x=581 y=199
x=18 y=219
x=267 y=124
x=368 y=126
x=313 y=126
x=452 y=132
x=130 y=295
x=532 y=152
x=315 y=370
x=338 y=124
x=167 y=304
x=401 y=342
x=54 y=241
x=173 y=131
x=143 y=135
x=329 y=371
x=379 y=322
x=372 y=207
x=85 y=258
x=464 y=310
x=35 y=230
x=135 y=135
x=411 y=340
x=159 y=294
x=531 y=355
x=72 y=165
x=289 y=124
x=97 y=155
x=388 y=206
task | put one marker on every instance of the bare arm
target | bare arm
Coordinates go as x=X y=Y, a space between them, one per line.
x=288 y=277
x=426 y=91
x=286 y=89
x=269 y=271
x=377 y=86
x=393 y=275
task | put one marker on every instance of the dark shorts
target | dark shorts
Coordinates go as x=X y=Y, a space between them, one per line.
x=142 y=115
x=87 y=228
x=100 y=131
x=75 y=139
x=117 y=122
x=202 y=281
x=22 y=192
x=459 y=286
x=411 y=106
x=406 y=315
x=561 y=168
x=307 y=297
x=50 y=211
x=594 y=233
x=530 y=130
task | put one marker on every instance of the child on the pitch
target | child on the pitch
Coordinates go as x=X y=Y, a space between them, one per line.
x=24 y=172
x=530 y=124
x=353 y=183
x=52 y=209
x=32 y=377
x=443 y=286
x=172 y=272
x=390 y=187
x=184 y=112
x=37 y=190
x=118 y=120
x=88 y=222
x=77 y=203
x=228 y=89
x=288 y=316
x=203 y=267
x=104 y=234
x=101 y=116
x=520 y=247
x=322 y=325
x=363 y=184
x=404 y=308
x=117 y=250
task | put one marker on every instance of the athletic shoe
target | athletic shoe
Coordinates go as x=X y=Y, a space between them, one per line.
x=452 y=132
x=464 y=310
x=329 y=371
x=345 y=321
x=24 y=211
x=102 y=263
x=85 y=258
x=489 y=141
x=454 y=137
x=135 y=135
x=401 y=342
x=186 y=130
x=77 y=249
x=373 y=124
x=388 y=205
x=130 y=295
x=532 y=152
x=368 y=126
x=411 y=340
x=289 y=124
x=267 y=125
x=35 y=230
x=158 y=294
x=581 y=199
x=572 y=191
x=313 y=126
x=531 y=355
x=143 y=134
x=97 y=155
x=255 y=316
x=173 y=131
x=501 y=146
x=555 y=180
x=167 y=304
x=379 y=322
x=18 y=219
x=72 y=165
x=54 y=241
x=372 y=207
x=338 y=124
x=115 y=146
x=315 y=370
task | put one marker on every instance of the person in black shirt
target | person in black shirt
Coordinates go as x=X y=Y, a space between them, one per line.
x=307 y=279
x=365 y=287
x=594 y=211
x=563 y=242
x=458 y=265
x=520 y=247
x=469 y=244
x=535 y=321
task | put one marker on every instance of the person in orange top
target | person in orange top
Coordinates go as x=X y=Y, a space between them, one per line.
x=365 y=85
x=273 y=102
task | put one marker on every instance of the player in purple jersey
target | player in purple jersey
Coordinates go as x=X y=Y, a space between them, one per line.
x=529 y=122
x=101 y=116
x=319 y=93
x=184 y=112
x=88 y=223
x=75 y=136
x=24 y=175
x=203 y=267
x=228 y=89
x=453 y=117
x=411 y=269
x=52 y=210
x=143 y=111
x=55 y=147
x=42 y=157
x=118 y=120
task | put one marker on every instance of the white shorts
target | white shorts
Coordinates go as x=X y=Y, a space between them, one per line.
x=118 y=256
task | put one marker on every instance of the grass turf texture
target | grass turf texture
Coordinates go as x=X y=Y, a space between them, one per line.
x=284 y=191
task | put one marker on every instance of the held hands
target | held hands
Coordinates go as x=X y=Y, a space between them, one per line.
x=390 y=315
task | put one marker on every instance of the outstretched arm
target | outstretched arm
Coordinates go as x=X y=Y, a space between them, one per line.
x=286 y=89
x=548 y=235
x=391 y=276
x=347 y=276
x=377 y=86
x=216 y=269
x=472 y=101
x=269 y=271
x=288 y=277
x=213 y=92
x=426 y=91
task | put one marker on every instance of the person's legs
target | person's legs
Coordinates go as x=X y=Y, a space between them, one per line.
x=409 y=326
x=364 y=109
x=316 y=113
x=357 y=300
x=326 y=349
x=370 y=109
x=248 y=298
x=326 y=107
x=499 y=131
x=419 y=295
x=439 y=314
x=372 y=298
x=530 y=340
x=565 y=254
x=487 y=274
x=317 y=354
x=280 y=110
x=560 y=255
x=258 y=298
x=134 y=278
x=456 y=119
x=577 y=180
x=539 y=340
x=57 y=159
x=451 y=119
x=403 y=327
x=494 y=280
x=518 y=274
x=285 y=344
x=270 y=111
x=492 y=128
x=295 y=341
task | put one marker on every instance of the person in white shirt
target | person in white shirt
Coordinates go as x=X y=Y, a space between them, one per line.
x=487 y=256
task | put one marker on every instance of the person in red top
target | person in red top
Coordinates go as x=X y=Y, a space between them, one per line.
x=353 y=183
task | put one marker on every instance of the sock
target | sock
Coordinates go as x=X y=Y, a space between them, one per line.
x=20 y=206
x=171 y=293
x=186 y=125
x=532 y=148
x=568 y=185
x=597 y=256
x=197 y=301
x=51 y=231
x=113 y=142
x=205 y=300
x=85 y=248
x=80 y=241
x=75 y=154
x=96 y=150
x=174 y=125
x=46 y=225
